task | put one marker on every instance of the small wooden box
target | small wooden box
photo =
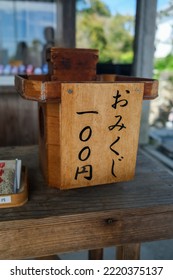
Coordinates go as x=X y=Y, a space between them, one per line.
x=16 y=199
x=72 y=65
x=89 y=128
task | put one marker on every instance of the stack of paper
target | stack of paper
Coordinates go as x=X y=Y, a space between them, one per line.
x=10 y=176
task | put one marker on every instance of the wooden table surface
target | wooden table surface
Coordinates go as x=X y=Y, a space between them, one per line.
x=55 y=221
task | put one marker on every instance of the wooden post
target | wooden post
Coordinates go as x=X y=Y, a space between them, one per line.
x=96 y=254
x=144 y=53
x=128 y=252
x=66 y=22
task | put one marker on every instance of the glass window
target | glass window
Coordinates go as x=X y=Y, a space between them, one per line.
x=26 y=28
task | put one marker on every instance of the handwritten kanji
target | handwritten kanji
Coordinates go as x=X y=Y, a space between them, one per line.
x=86 y=169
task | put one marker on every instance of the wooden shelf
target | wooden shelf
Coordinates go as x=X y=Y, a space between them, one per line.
x=54 y=221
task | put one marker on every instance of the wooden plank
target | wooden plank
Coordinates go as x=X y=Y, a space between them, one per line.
x=29 y=89
x=99 y=121
x=150 y=85
x=38 y=88
x=49 y=140
x=128 y=252
x=53 y=110
x=59 y=220
x=69 y=233
x=54 y=165
x=53 y=130
x=51 y=91
x=49 y=88
x=125 y=198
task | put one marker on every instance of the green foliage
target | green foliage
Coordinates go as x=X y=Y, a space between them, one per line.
x=163 y=64
x=127 y=57
x=111 y=35
x=120 y=37
x=97 y=7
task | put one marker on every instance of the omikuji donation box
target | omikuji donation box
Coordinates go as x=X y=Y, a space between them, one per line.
x=88 y=123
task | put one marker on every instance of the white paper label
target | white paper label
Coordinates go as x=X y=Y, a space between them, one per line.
x=5 y=199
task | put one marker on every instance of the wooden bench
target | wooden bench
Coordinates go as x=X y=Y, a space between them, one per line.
x=53 y=221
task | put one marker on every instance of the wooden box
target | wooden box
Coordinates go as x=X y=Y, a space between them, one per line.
x=88 y=124
x=72 y=65
x=16 y=199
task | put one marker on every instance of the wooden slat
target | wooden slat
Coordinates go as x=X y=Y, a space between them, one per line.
x=69 y=233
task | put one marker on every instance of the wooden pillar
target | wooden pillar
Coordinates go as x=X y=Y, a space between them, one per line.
x=66 y=23
x=128 y=252
x=144 y=52
x=96 y=254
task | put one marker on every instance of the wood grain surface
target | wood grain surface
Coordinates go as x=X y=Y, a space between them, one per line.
x=128 y=252
x=49 y=88
x=55 y=221
x=98 y=133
